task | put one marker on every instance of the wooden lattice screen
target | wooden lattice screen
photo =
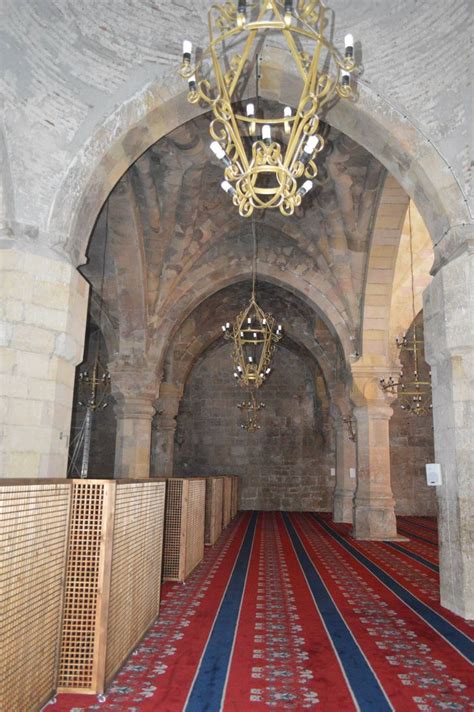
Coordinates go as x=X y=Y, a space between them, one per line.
x=136 y=568
x=33 y=537
x=235 y=496
x=227 y=501
x=184 y=527
x=214 y=497
x=112 y=578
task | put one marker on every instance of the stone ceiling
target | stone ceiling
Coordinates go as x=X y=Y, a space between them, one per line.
x=174 y=240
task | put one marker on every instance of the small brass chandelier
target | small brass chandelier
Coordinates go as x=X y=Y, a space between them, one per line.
x=414 y=395
x=254 y=334
x=269 y=162
x=251 y=408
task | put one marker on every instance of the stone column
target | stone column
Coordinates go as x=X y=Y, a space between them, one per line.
x=449 y=348
x=374 y=505
x=44 y=309
x=167 y=410
x=134 y=389
x=346 y=468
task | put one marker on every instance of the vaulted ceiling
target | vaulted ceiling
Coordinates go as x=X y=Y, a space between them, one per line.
x=172 y=240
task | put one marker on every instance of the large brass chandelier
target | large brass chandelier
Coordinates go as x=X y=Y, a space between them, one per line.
x=254 y=334
x=413 y=393
x=269 y=161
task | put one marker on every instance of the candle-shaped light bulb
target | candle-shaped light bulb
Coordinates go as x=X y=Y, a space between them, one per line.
x=250 y=110
x=287 y=113
x=311 y=144
x=346 y=78
x=249 y=320
x=187 y=49
x=192 y=83
x=349 y=45
x=267 y=133
x=227 y=326
x=225 y=185
x=217 y=150
x=223 y=328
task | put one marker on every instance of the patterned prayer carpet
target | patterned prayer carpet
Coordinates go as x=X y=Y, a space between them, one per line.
x=287 y=612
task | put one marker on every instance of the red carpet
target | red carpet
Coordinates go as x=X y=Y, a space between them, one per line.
x=287 y=612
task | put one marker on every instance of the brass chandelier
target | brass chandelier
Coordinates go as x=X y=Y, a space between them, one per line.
x=413 y=395
x=251 y=408
x=254 y=334
x=269 y=162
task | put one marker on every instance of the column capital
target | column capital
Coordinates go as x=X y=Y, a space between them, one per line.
x=366 y=390
x=457 y=240
x=138 y=408
x=132 y=377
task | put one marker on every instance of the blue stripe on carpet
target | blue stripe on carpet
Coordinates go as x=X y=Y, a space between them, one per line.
x=412 y=555
x=409 y=520
x=410 y=534
x=209 y=684
x=455 y=637
x=366 y=689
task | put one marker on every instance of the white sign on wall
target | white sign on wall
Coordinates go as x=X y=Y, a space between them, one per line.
x=352 y=473
x=433 y=474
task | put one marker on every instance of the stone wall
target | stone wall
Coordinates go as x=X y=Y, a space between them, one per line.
x=285 y=465
x=411 y=447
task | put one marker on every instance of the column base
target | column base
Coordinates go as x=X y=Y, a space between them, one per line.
x=375 y=523
x=343 y=507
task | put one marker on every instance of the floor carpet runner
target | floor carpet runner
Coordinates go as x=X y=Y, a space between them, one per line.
x=288 y=612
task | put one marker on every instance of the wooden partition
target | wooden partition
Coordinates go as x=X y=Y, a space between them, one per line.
x=214 y=498
x=227 y=501
x=113 y=577
x=33 y=537
x=184 y=526
x=235 y=496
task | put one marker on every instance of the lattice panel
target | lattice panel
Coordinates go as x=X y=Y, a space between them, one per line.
x=86 y=588
x=235 y=496
x=173 y=530
x=136 y=567
x=213 y=520
x=33 y=537
x=195 y=511
x=184 y=527
x=227 y=501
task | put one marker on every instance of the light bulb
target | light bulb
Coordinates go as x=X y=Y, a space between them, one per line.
x=287 y=111
x=311 y=144
x=223 y=328
x=346 y=79
x=348 y=41
x=225 y=185
x=217 y=150
x=187 y=49
x=249 y=320
x=250 y=359
x=268 y=371
x=305 y=188
x=266 y=132
x=250 y=109
x=227 y=326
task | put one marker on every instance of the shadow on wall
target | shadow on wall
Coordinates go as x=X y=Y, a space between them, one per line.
x=412 y=446
x=283 y=466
